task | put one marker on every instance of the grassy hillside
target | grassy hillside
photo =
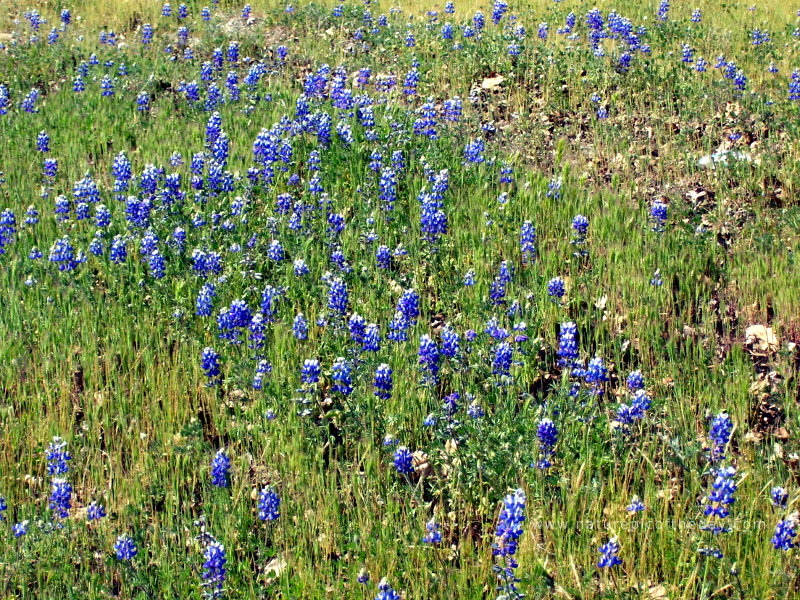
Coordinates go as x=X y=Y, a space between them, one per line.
x=509 y=218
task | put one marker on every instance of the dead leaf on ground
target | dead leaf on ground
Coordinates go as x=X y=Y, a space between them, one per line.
x=491 y=83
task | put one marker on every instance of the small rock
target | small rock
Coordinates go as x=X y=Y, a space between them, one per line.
x=491 y=83
x=760 y=340
x=710 y=161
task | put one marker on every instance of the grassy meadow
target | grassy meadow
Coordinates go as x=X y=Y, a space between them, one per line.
x=509 y=217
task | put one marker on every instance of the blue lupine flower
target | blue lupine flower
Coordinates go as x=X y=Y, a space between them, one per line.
x=780 y=497
x=3 y=508
x=209 y=362
x=125 y=548
x=269 y=301
x=542 y=32
x=275 y=251
x=451 y=342
x=473 y=151
x=429 y=359
x=118 y=253
x=403 y=461
x=157 y=264
x=548 y=437
x=721 y=496
x=60 y=497
x=143 y=101
x=410 y=83
x=739 y=80
x=498 y=10
x=310 y=372
x=300 y=327
x=214 y=570
x=568 y=345
x=220 y=469
x=268 y=504
x=262 y=368
x=656 y=280
x=608 y=554
x=388 y=188
x=433 y=535
x=501 y=364
x=65 y=16
x=635 y=506
x=205 y=14
x=107 y=86
x=96 y=245
x=28 y=103
x=760 y=37
x=337 y=296
x=720 y=435
x=383 y=382
x=635 y=381
x=147 y=33
x=433 y=220
x=785 y=533
x=256 y=328
x=20 y=529
x=8 y=227
x=697 y=16
x=478 y=20
x=342 y=377
x=32 y=217
x=383 y=256
x=64 y=255
x=596 y=374
x=95 y=512
x=426 y=123
x=637 y=409
x=794 y=86
x=408 y=305
x=372 y=338
x=386 y=592
x=81 y=211
x=581 y=225
x=363 y=576
x=527 y=241
x=102 y=216
x=213 y=128
x=447 y=31
x=474 y=410
x=663 y=9
x=43 y=142
x=658 y=213
x=57 y=457
x=233 y=52
x=506 y=538
x=556 y=288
